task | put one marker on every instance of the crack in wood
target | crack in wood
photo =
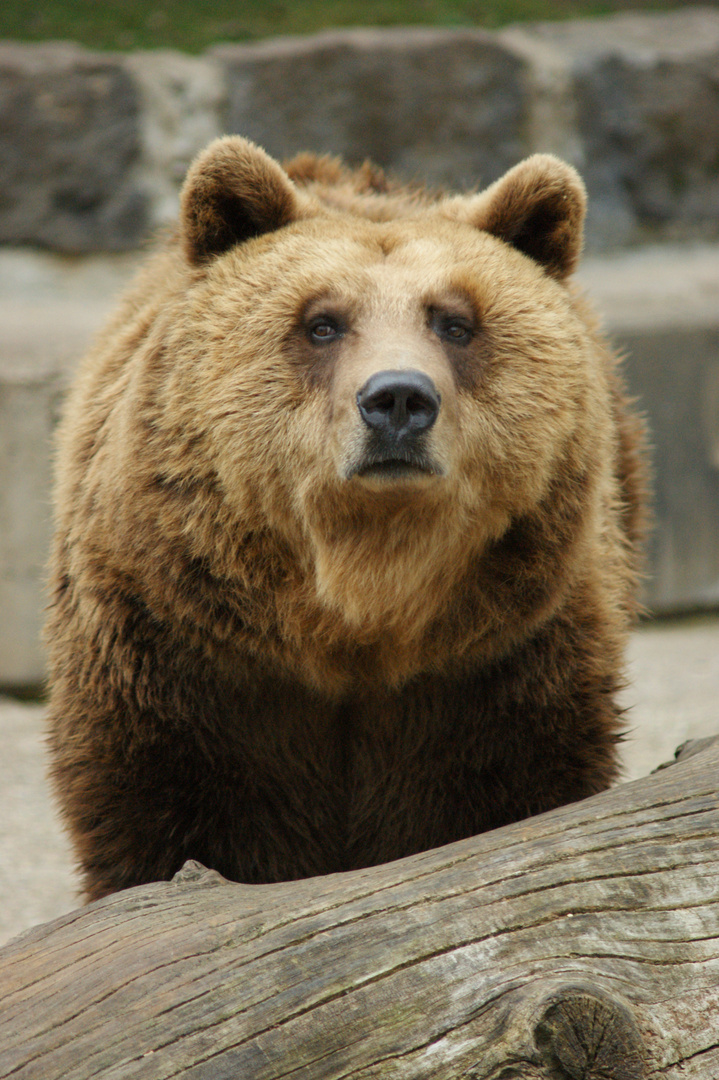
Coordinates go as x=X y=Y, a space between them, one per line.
x=681 y=1062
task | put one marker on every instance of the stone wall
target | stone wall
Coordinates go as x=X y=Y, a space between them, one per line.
x=93 y=148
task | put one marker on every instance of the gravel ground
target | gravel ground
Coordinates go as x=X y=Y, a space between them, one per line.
x=674 y=696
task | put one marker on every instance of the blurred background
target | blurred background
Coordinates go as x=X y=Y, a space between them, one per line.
x=103 y=106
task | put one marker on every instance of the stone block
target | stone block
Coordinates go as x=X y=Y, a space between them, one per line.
x=442 y=106
x=644 y=91
x=93 y=146
x=69 y=142
x=661 y=309
x=182 y=99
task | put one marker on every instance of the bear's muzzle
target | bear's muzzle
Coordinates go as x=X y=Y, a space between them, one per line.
x=398 y=408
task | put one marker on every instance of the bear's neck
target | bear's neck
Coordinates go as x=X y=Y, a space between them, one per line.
x=368 y=606
x=378 y=606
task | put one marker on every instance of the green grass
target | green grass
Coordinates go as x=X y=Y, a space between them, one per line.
x=193 y=25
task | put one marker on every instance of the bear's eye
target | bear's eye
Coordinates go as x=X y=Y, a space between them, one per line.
x=324 y=329
x=457 y=329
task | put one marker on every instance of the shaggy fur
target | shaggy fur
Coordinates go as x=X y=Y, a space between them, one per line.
x=276 y=647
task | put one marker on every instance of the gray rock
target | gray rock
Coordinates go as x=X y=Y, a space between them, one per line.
x=442 y=106
x=69 y=140
x=646 y=114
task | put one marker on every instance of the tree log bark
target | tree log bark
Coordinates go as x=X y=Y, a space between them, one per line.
x=579 y=945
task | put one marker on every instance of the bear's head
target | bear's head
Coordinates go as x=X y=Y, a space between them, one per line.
x=388 y=384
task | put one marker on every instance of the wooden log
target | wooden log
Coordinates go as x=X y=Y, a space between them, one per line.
x=579 y=945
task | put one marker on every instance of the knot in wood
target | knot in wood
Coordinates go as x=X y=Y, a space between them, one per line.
x=586 y=1034
x=194 y=873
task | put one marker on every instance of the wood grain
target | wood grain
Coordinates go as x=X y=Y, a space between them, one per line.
x=579 y=945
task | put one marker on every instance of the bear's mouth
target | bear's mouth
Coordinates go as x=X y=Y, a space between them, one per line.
x=395 y=467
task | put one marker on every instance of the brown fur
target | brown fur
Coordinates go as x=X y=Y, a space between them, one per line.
x=271 y=658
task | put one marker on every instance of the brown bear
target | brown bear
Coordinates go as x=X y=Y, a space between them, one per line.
x=348 y=502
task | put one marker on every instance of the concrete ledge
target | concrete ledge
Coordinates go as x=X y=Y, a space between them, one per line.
x=49 y=309
x=660 y=306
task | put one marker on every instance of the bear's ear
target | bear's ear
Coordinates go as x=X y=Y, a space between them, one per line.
x=538 y=207
x=233 y=191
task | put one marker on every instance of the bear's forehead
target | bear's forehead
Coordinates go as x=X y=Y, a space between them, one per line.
x=408 y=260
x=342 y=238
x=403 y=242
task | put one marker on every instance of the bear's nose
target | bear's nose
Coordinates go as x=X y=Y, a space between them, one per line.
x=399 y=402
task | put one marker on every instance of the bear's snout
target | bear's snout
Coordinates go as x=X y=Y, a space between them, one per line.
x=399 y=404
x=398 y=408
